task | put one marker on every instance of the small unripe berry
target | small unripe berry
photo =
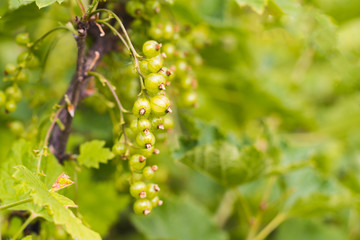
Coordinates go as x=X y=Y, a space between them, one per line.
x=10 y=106
x=148 y=172
x=152 y=190
x=151 y=48
x=2 y=99
x=10 y=69
x=137 y=162
x=160 y=105
x=143 y=124
x=143 y=65
x=13 y=92
x=145 y=140
x=155 y=63
x=157 y=123
x=137 y=188
x=22 y=39
x=142 y=107
x=142 y=207
x=119 y=148
x=168 y=122
x=154 y=83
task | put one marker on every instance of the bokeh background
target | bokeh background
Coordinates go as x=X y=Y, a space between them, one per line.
x=281 y=76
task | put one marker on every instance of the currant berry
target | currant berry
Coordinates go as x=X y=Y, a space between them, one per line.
x=23 y=57
x=152 y=7
x=146 y=152
x=141 y=107
x=14 y=93
x=168 y=122
x=156 y=201
x=170 y=50
x=119 y=148
x=10 y=69
x=160 y=105
x=151 y=48
x=181 y=67
x=157 y=123
x=22 y=76
x=134 y=125
x=135 y=9
x=143 y=65
x=152 y=190
x=149 y=172
x=137 y=162
x=146 y=140
x=143 y=124
x=168 y=31
x=167 y=73
x=142 y=207
x=10 y=106
x=155 y=32
x=155 y=63
x=2 y=98
x=22 y=39
x=186 y=82
x=155 y=83
x=138 y=190
x=17 y=128
x=188 y=99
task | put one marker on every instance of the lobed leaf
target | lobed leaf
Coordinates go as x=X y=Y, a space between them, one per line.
x=92 y=153
x=61 y=215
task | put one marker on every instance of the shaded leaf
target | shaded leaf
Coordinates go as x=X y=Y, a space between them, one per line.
x=226 y=163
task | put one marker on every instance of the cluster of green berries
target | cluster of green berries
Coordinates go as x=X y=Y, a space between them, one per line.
x=143 y=8
x=151 y=111
x=17 y=74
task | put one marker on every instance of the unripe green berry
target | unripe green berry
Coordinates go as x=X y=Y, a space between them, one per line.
x=152 y=190
x=142 y=107
x=14 y=93
x=17 y=128
x=156 y=201
x=151 y=48
x=168 y=122
x=10 y=69
x=152 y=7
x=146 y=152
x=145 y=140
x=22 y=76
x=23 y=57
x=135 y=9
x=143 y=124
x=155 y=63
x=149 y=172
x=143 y=65
x=155 y=32
x=2 y=99
x=137 y=162
x=181 y=67
x=119 y=148
x=10 y=106
x=160 y=105
x=137 y=190
x=167 y=73
x=157 y=123
x=168 y=31
x=142 y=207
x=186 y=82
x=154 y=83
x=170 y=50
x=22 y=39
x=188 y=99
x=134 y=125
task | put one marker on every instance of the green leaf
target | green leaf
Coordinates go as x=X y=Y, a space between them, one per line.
x=257 y=5
x=92 y=153
x=13 y=4
x=179 y=219
x=43 y=198
x=226 y=163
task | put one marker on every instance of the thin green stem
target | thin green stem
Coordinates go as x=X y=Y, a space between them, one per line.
x=132 y=49
x=26 y=223
x=47 y=34
x=116 y=33
x=225 y=208
x=121 y=108
x=280 y=218
x=46 y=141
x=6 y=206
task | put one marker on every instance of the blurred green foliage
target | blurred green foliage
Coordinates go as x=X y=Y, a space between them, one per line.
x=276 y=131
